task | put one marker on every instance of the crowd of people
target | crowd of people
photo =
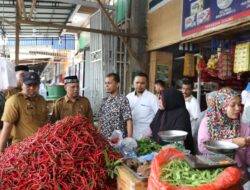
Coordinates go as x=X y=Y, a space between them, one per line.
x=140 y=114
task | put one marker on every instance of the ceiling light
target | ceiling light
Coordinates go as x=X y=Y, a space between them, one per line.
x=76 y=19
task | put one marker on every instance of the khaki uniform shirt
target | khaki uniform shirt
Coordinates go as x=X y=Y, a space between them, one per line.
x=8 y=93
x=64 y=107
x=27 y=114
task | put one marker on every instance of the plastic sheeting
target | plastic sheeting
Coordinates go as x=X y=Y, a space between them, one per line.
x=7 y=74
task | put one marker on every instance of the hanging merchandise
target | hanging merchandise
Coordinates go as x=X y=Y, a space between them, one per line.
x=241 y=61
x=225 y=64
x=212 y=65
x=213 y=61
x=198 y=70
x=201 y=68
x=189 y=65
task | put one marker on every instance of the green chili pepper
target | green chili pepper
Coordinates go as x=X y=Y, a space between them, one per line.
x=179 y=173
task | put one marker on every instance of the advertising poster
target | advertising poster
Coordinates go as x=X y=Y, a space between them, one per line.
x=162 y=73
x=201 y=15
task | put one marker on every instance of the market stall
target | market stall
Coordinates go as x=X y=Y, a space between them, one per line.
x=71 y=154
x=174 y=168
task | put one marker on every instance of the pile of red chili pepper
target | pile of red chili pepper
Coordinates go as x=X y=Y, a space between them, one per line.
x=66 y=155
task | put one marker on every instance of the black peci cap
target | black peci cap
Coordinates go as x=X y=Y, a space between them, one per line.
x=31 y=78
x=71 y=79
x=21 y=68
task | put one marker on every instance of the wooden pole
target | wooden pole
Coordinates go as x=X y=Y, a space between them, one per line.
x=74 y=28
x=8 y=22
x=23 y=8
x=17 y=32
x=130 y=51
x=33 y=6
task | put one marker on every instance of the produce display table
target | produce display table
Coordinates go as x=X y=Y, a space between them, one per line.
x=127 y=181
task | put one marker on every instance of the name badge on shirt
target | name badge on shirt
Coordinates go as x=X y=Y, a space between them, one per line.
x=29 y=107
x=145 y=105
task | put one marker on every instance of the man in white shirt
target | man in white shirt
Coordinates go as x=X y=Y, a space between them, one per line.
x=144 y=106
x=191 y=102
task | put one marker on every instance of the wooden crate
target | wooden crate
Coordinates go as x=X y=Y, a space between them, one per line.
x=127 y=181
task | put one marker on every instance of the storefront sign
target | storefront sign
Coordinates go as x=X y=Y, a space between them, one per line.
x=201 y=15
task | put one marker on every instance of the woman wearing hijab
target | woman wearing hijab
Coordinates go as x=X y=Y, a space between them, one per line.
x=209 y=97
x=172 y=115
x=222 y=122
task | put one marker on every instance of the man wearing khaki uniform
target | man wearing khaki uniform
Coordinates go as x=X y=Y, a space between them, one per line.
x=26 y=111
x=71 y=104
x=5 y=94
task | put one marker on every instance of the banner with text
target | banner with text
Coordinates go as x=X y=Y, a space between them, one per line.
x=201 y=15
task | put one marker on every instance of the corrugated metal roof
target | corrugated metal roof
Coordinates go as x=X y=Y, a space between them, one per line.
x=49 y=11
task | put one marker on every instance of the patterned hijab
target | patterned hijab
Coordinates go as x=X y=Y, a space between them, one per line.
x=219 y=125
